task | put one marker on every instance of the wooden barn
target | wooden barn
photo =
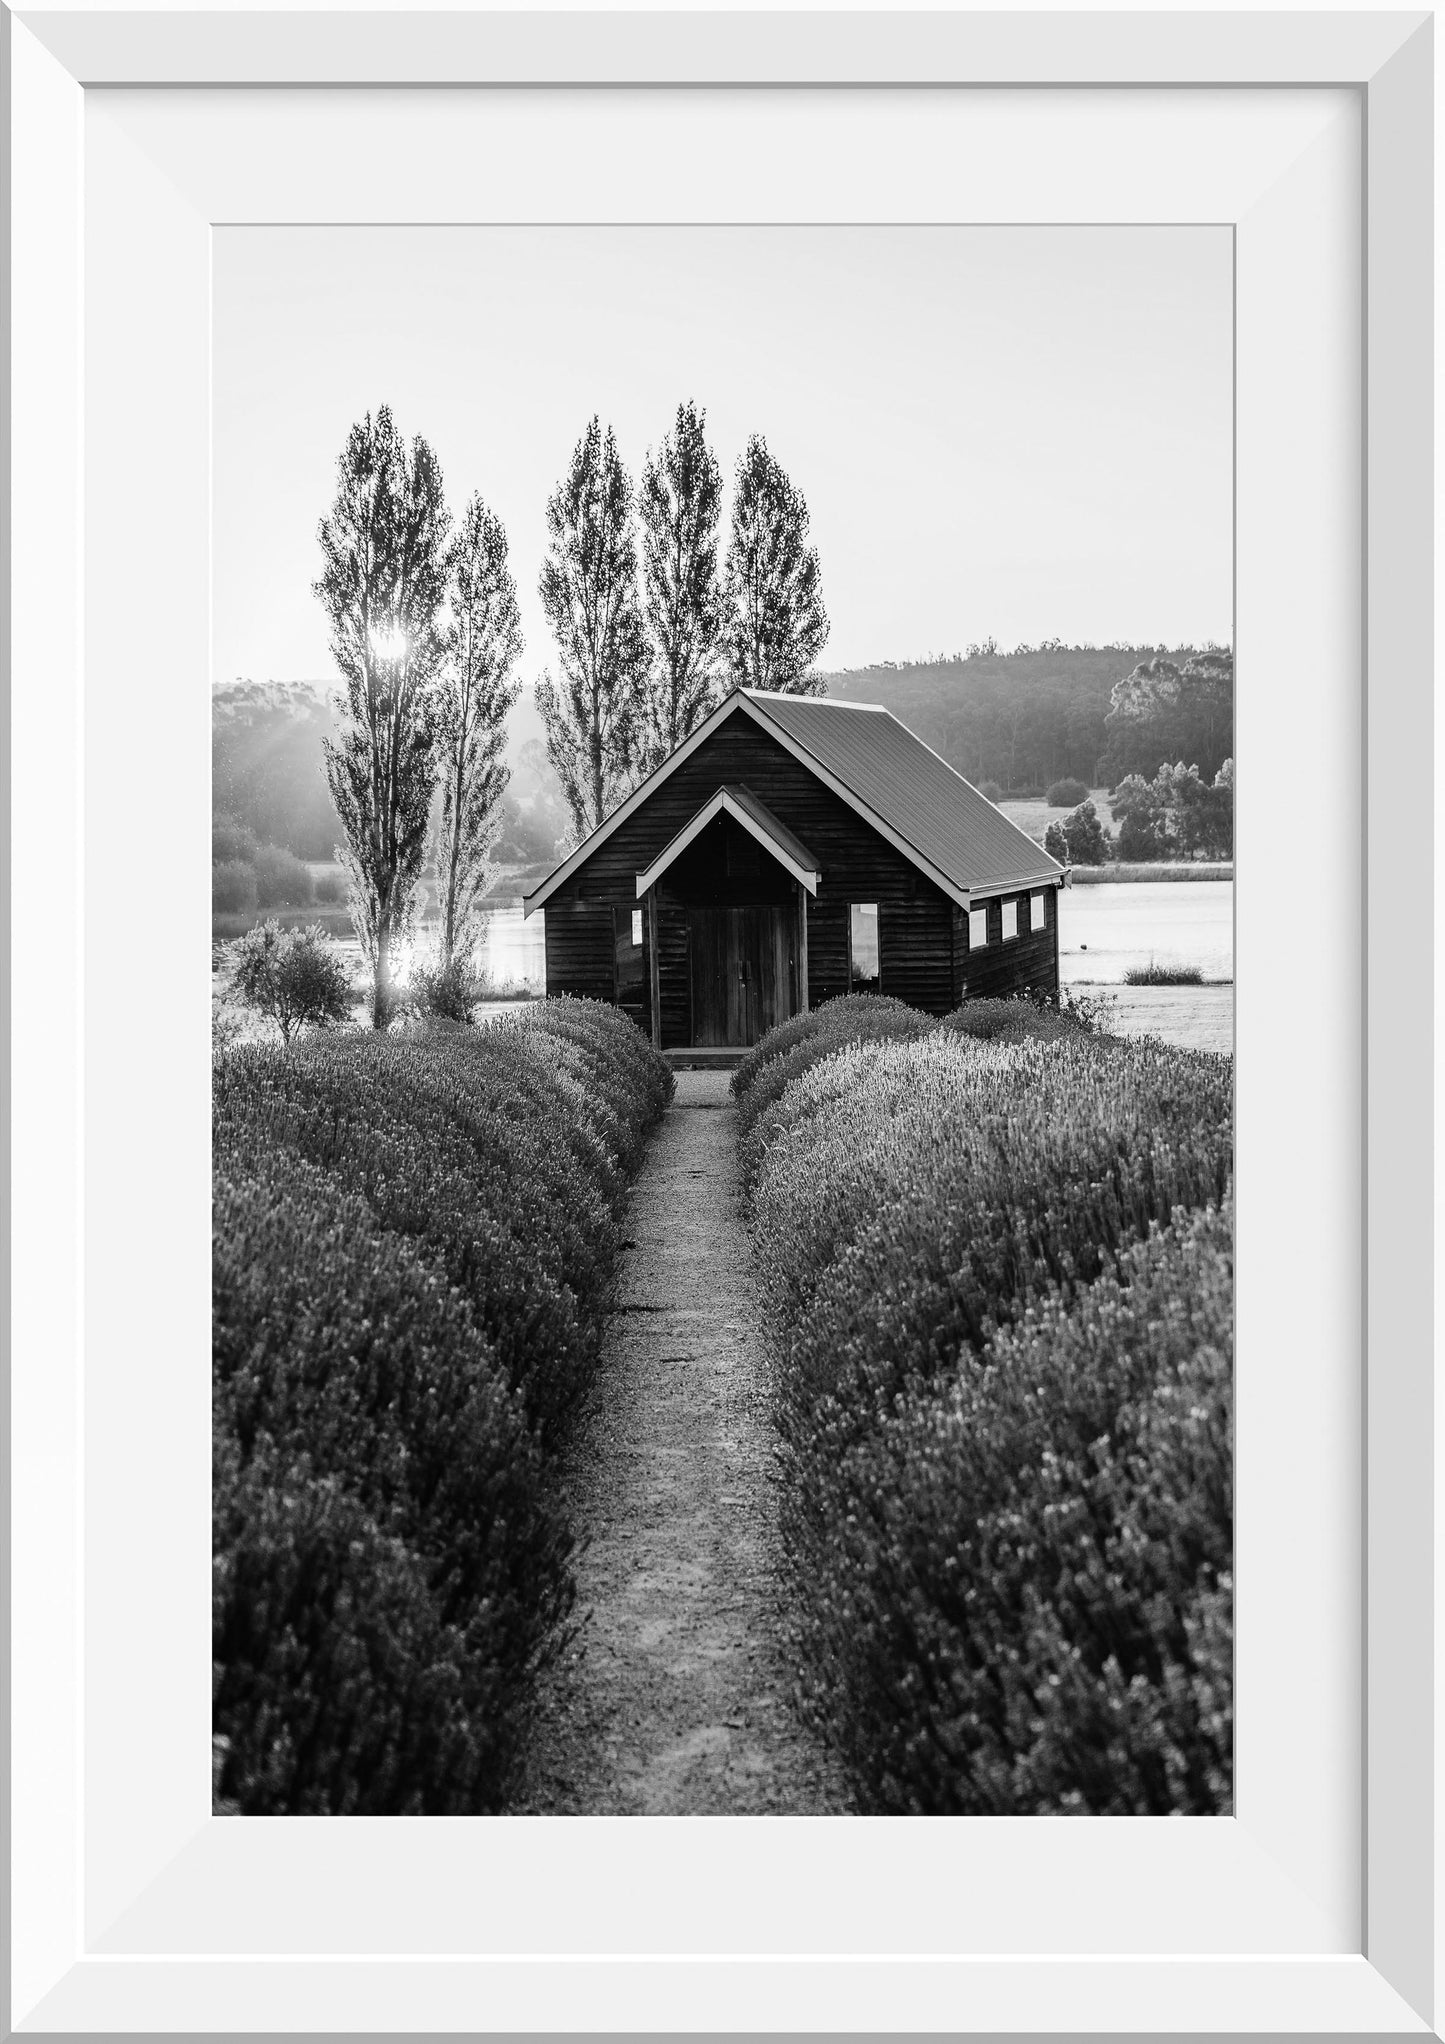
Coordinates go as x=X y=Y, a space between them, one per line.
x=791 y=849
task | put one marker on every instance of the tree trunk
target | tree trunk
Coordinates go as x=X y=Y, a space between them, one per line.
x=449 y=909
x=381 y=993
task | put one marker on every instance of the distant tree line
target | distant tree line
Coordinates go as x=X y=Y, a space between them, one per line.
x=1177 y=814
x=248 y=873
x=1027 y=718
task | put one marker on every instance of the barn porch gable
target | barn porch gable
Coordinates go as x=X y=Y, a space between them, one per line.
x=758 y=820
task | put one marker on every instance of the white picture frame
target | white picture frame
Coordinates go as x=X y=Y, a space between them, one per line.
x=133 y=137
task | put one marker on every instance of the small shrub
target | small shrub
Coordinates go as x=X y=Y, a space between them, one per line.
x=347 y=1371
x=445 y=993
x=911 y=1195
x=296 y=978
x=1056 y=844
x=1093 y=1011
x=1012 y=1018
x=775 y=1044
x=1066 y=794
x=282 y=880
x=342 y=1689
x=233 y=887
x=1086 y=841
x=1155 y=975
x=851 y=1018
x=990 y=791
x=621 y=1064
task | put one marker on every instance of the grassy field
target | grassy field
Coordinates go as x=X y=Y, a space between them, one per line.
x=1035 y=817
x=1201 y=869
x=1195 y=1018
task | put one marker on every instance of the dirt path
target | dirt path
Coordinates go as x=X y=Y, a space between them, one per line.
x=673 y=1700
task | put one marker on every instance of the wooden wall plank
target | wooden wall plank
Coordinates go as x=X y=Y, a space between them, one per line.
x=1028 y=962
x=801 y=955
x=579 y=949
x=654 y=1004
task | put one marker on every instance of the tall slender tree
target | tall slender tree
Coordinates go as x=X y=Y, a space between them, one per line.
x=475 y=692
x=681 y=501
x=775 y=624
x=592 y=715
x=382 y=585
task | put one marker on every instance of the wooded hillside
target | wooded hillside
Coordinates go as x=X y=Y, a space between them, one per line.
x=1027 y=718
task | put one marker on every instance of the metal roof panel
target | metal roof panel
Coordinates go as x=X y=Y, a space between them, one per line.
x=917 y=794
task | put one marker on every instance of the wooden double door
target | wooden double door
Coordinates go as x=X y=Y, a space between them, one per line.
x=744 y=976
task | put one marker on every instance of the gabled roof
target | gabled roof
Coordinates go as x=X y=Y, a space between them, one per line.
x=929 y=813
x=757 y=819
x=903 y=783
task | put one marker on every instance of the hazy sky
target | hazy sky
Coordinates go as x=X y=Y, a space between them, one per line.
x=1021 y=432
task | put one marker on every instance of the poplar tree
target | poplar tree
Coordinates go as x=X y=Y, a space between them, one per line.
x=681 y=501
x=382 y=585
x=775 y=625
x=476 y=690
x=592 y=713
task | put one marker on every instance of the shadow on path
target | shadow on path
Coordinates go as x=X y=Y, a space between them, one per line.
x=674 y=1697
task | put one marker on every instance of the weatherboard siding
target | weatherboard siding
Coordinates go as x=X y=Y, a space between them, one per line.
x=915 y=952
x=579 y=946
x=919 y=954
x=1008 y=965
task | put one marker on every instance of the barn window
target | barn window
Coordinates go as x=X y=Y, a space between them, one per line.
x=977 y=928
x=627 y=930
x=1038 y=912
x=863 y=947
x=1010 y=920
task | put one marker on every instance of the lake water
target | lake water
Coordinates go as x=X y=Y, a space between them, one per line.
x=1102 y=932
x=515 y=950
x=1106 y=929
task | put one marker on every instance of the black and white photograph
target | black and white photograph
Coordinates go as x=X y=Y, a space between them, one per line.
x=722 y=974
